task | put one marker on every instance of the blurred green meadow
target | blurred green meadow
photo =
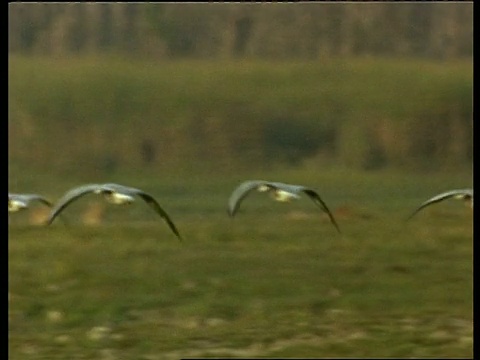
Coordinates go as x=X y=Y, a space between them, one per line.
x=375 y=138
x=275 y=281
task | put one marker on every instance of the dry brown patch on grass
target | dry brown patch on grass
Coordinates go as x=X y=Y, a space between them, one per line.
x=349 y=212
x=38 y=216
x=94 y=213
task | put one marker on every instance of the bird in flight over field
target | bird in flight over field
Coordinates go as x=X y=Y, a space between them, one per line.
x=17 y=202
x=462 y=194
x=279 y=191
x=115 y=194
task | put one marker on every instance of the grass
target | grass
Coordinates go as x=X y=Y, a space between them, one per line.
x=276 y=281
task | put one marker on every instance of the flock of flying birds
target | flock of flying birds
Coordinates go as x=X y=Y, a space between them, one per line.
x=120 y=194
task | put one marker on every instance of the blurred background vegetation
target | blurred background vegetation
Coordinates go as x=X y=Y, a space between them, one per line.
x=98 y=87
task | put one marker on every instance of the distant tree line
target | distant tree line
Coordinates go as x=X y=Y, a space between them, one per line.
x=236 y=30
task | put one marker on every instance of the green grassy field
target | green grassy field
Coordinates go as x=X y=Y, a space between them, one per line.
x=276 y=281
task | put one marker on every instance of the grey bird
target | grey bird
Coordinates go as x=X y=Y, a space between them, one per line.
x=18 y=202
x=462 y=194
x=279 y=191
x=115 y=194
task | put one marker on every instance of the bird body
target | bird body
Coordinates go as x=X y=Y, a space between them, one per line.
x=18 y=202
x=119 y=199
x=284 y=196
x=462 y=194
x=280 y=192
x=115 y=197
x=16 y=205
x=114 y=194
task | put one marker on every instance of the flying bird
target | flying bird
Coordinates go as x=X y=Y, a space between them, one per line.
x=18 y=202
x=115 y=194
x=462 y=194
x=279 y=191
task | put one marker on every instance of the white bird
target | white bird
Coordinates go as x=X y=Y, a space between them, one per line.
x=18 y=202
x=462 y=194
x=280 y=192
x=115 y=194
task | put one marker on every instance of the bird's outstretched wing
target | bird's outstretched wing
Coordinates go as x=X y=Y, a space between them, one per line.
x=112 y=187
x=68 y=198
x=156 y=206
x=27 y=198
x=317 y=200
x=465 y=193
x=35 y=197
x=241 y=192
